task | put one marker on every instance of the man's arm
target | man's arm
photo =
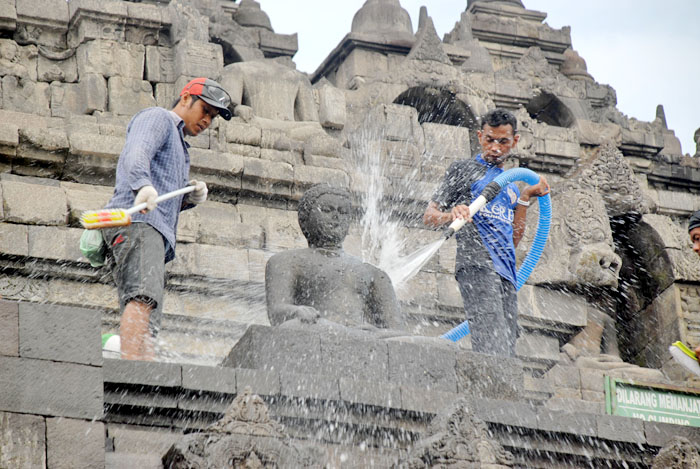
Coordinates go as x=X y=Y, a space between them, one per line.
x=538 y=190
x=146 y=134
x=436 y=218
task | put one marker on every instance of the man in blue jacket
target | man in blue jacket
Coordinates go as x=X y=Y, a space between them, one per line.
x=485 y=268
x=155 y=161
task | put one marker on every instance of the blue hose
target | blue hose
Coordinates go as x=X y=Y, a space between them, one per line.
x=535 y=252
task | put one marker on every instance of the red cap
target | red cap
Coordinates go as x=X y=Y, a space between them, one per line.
x=210 y=92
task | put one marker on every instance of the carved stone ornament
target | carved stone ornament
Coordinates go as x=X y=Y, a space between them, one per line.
x=245 y=437
x=613 y=178
x=679 y=453
x=457 y=439
x=248 y=414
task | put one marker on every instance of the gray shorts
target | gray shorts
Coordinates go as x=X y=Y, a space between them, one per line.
x=491 y=304
x=138 y=266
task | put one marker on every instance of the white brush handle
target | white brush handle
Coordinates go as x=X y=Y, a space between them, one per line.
x=161 y=198
x=475 y=206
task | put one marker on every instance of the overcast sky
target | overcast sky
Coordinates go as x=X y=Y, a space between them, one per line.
x=648 y=50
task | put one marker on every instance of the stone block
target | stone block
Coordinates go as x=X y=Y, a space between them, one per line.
x=9 y=328
x=75 y=444
x=363 y=360
x=221 y=262
x=22 y=441
x=111 y=59
x=380 y=394
x=489 y=376
x=340 y=164
x=269 y=178
x=93 y=159
x=307 y=176
x=517 y=414
x=417 y=399
x=8 y=15
x=281 y=228
x=83 y=197
x=575 y=405
x=236 y=131
x=160 y=64
x=28 y=97
x=227 y=166
x=446 y=143
x=209 y=378
x=289 y=157
x=42 y=23
x=85 y=97
x=249 y=151
x=41 y=152
x=562 y=376
x=144 y=24
x=277 y=139
x=331 y=107
x=56 y=69
x=593 y=133
x=96 y=19
x=222 y=229
x=265 y=348
x=551 y=306
x=142 y=373
x=261 y=382
x=567 y=422
x=448 y=291
x=623 y=429
x=67 y=389
x=198 y=59
x=660 y=434
x=309 y=386
x=14 y=239
x=18 y=61
x=421 y=365
x=133 y=440
x=47 y=206
x=539 y=347
x=60 y=333
x=592 y=380
x=9 y=140
x=127 y=96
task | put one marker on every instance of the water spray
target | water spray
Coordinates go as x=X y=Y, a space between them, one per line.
x=533 y=256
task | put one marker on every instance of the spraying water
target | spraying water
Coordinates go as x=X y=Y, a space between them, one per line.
x=404 y=268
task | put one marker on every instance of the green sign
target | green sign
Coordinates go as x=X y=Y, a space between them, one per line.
x=652 y=403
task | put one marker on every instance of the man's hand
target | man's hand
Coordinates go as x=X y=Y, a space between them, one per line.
x=199 y=194
x=461 y=211
x=147 y=195
x=538 y=190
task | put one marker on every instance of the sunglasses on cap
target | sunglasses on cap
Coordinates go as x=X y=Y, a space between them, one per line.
x=212 y=94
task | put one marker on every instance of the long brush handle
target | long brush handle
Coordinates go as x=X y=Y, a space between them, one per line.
x=161 y=198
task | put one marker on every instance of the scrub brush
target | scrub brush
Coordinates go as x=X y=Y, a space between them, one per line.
x=685 y=357
x=110 y=217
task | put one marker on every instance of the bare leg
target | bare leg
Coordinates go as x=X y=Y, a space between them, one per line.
x=136 y=343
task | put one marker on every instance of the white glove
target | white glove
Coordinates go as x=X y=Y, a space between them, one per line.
x=147 y=194
x=199 y=194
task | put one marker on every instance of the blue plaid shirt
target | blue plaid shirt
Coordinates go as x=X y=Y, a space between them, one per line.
x=155 y=154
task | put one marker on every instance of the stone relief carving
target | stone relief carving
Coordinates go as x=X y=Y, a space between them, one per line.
x=613 y=178
x=245 y=437
x=271 y=90
x=679 y=453
x=580 y=248
x=457 y=439
x=690 y=314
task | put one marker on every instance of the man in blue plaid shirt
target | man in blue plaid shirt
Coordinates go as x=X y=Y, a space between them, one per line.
x=155 y=161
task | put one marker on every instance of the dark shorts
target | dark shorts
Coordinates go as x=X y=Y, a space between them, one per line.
x=491 y=304
x=138 y=266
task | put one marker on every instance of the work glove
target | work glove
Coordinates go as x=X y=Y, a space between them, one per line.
x=147 y=194
x=199 y=194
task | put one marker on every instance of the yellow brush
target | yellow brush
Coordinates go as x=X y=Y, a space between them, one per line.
x=109 y=217
x=685 y=357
